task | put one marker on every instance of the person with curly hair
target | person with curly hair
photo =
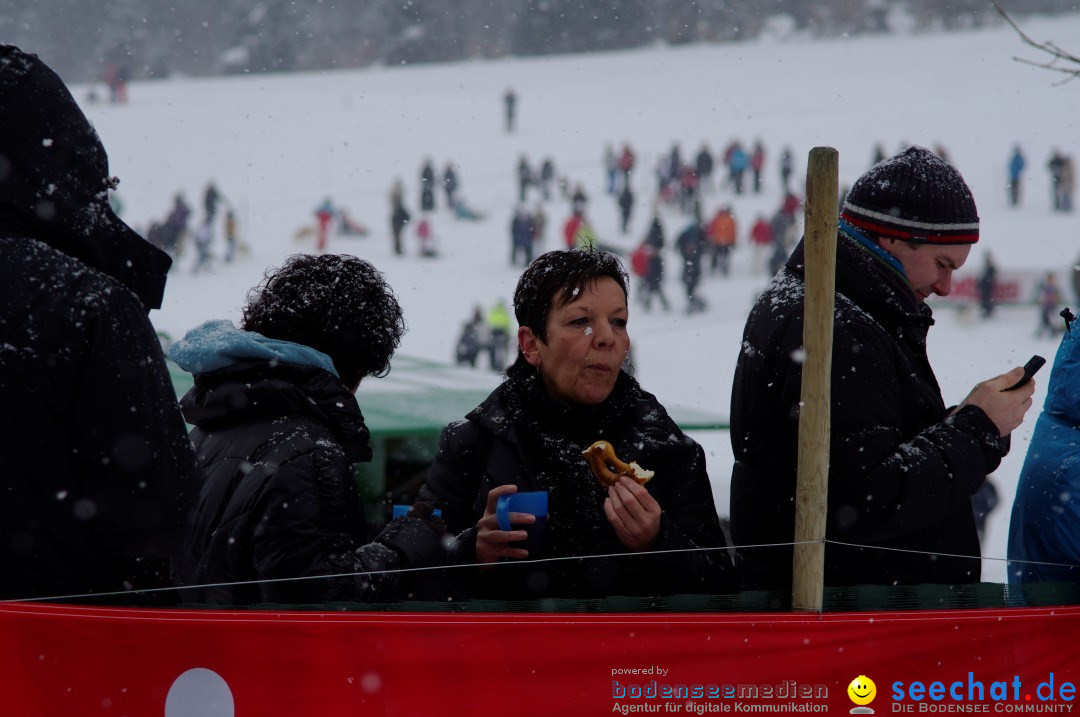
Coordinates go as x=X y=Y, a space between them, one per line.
x=277 y=429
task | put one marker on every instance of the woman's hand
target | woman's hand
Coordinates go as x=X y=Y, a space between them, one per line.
x=492 y=543
x=634 y=514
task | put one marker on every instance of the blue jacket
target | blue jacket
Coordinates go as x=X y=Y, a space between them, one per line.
x=1045 y=524
x=1016 y=165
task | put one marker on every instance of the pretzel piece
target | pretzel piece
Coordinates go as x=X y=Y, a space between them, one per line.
x=607 y=467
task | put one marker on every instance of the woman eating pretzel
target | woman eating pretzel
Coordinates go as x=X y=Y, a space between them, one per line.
x=622 y=479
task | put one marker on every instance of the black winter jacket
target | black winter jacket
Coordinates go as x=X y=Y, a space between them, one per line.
x=96 y=471
x=902 y=471
x=499 y=444
x=276 y=443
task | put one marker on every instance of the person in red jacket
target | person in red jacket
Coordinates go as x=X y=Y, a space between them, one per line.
x=761 y=238
x=324 y=215
x=577 y=232
x=757 y=164
x=626 y=163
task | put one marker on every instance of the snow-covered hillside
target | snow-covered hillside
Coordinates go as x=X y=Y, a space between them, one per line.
x=277 y=145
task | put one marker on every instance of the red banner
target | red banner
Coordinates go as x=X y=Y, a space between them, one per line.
x=63 y=660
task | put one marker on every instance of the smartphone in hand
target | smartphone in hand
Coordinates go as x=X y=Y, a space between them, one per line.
x=1034 y=364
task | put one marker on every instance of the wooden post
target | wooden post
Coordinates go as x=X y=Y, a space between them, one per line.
x=812 y=489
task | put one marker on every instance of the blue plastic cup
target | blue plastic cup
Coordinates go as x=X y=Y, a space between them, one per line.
x=532 y=502
x=400 y=511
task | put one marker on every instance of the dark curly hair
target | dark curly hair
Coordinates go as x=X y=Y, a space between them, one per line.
x=338 y=304
x=554 y=280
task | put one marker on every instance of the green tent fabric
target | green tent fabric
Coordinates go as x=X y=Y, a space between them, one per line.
x=420 y=397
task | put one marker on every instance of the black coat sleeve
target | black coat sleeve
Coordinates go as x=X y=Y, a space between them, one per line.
x=306 y=530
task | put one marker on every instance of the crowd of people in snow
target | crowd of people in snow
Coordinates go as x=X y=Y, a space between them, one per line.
x=703 y=244
x=109 y=498
x=172 y=234
x=703 y=190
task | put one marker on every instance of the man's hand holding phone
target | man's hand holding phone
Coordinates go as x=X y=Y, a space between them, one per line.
x=1005 y=399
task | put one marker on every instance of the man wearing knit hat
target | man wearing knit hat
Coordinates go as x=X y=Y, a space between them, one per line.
x=903 y=466
x=96 y=470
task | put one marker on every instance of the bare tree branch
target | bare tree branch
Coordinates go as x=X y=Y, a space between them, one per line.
x=1071 y=62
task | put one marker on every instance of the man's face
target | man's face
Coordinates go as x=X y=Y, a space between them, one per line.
x=929 y=267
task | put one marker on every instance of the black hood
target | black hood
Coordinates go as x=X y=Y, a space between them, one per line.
x=54 y=179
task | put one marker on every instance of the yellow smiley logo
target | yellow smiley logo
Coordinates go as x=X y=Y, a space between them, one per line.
x=862 y=690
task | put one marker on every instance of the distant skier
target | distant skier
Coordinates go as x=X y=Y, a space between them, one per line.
x=547 y=176
x=626 y=205
x=738 y=163
x=539 y=226
x=652 y=273
x=577 y=232
x=426 y=235
x=462 y=210
x=987 y=286
x=524 y=177
x=691 y=245
x=324 y=217
x=116 y=78
x=399 y=215
x=761 y=239
x=626 y=162
x=611 y=168
x=757 y=164
x=230 y=236
x=211 y=199
x=1016 y=171
x=473 y=339
x=450 y=185
x=721 y=235
x=1048 y=296
x=498 y=320
x=787 y=166
x=202 y=248
x=510 y=108
x=578 y=200
x=176 y=226
x=703 y=166
x=521 y=237
x=427 y=187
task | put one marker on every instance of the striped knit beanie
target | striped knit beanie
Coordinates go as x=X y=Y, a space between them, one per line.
x=915 y=196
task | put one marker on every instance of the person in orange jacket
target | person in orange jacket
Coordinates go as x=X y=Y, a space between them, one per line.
x=721 y=234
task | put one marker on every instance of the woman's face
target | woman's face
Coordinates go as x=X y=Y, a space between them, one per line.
x=586 y=344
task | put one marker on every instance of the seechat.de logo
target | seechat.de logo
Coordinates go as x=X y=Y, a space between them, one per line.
x=862 y=692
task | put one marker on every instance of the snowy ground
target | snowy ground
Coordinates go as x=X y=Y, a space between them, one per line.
x=277 y=145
